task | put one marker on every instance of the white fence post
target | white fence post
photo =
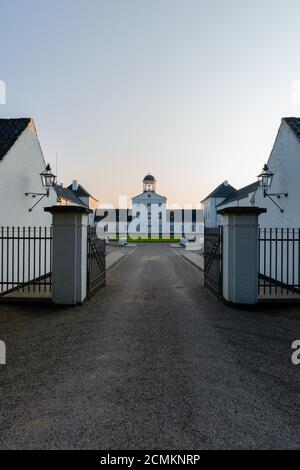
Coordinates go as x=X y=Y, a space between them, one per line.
x=69 y=254
x=240 y=254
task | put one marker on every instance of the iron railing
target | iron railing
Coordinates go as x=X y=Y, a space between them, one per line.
x=279 y=262
x=25 y=259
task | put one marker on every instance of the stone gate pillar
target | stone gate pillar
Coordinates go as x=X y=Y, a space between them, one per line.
x=69 y=254
x=240 y=254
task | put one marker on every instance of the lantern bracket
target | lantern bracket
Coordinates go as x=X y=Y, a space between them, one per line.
x=265 y=181
x=274 y=202
x=48 y=181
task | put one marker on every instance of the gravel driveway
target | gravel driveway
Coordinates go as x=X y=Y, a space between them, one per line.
x=152 y=362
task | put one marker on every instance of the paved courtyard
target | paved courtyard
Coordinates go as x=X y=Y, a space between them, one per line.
x=152 y=362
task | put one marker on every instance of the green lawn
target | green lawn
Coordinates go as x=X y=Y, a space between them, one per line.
x=149 y=240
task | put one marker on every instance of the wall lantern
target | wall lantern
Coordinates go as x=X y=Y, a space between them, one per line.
x=48 y=181
x=265 y=179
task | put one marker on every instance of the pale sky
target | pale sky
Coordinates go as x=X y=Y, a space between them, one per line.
x=191 y=90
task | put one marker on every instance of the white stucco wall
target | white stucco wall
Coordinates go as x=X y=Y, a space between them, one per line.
x=245 y=201
x=211 y=218
x=147 y=199
x=284 y=162
x=19 y=173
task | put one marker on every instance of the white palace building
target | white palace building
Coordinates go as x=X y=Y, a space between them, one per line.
x=150 y=217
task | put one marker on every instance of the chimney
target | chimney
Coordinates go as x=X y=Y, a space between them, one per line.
x=226 y=183
x=74 y=185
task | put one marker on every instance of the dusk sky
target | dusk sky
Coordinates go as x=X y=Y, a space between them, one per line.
x=191 y=90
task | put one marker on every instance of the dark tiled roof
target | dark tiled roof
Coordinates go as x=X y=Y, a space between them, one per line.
x=81 y=192
x=241 y=193
x=223 y=190
x=294 y=124
x=65 y=193
x=10 y=131
x=189 y=215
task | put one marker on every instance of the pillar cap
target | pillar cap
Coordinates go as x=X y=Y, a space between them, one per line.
x=242 y=210
x=68 y=210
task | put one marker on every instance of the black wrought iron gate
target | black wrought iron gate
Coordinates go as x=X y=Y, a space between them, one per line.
x=96 y=265
x=213 y=260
